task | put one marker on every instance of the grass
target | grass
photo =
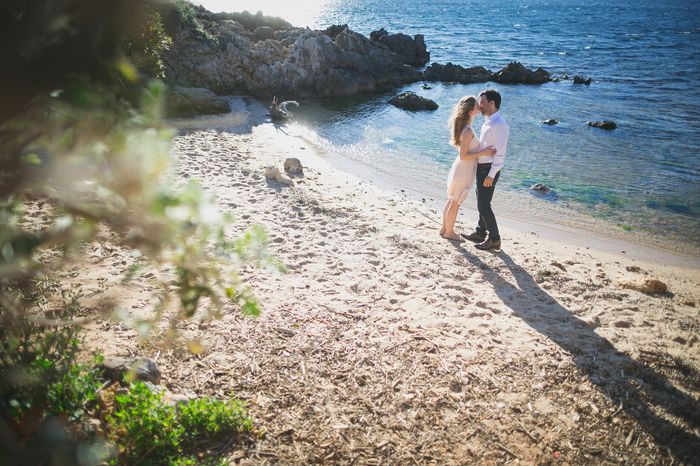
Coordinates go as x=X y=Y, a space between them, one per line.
x=150 y=432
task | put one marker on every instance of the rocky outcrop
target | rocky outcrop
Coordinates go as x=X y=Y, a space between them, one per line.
x=456 y=73
x=186 y=101
x=516 y=73
x=228 y=57
x=609 y=125
x=411 y=50
x=261 y=56
x=413 y=102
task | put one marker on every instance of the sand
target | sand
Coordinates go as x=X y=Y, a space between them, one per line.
x=386 y=344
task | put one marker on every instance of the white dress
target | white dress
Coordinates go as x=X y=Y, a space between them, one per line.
x=462 y=174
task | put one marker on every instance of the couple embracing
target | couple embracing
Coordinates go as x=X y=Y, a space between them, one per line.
x=480 y=159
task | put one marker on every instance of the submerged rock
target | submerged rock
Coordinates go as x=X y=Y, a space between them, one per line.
x=582 y=80
x=540 y=188
x=550 y=122
x=413 y=102
x=609 y=125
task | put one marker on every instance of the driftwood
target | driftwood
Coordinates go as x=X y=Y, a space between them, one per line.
x=279 y=111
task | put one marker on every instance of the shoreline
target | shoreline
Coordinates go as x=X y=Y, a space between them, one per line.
x=248 y=112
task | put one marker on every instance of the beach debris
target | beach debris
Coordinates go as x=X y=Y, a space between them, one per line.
x=550 y=122
x=582 y=80
x=130 y=369
x=293 y=167
x=649 y=286
x=609 y=125
x=279 y=111
x=633 y=268
x=273 y=173
x=540 y=188
x=413 y=102
x=559 y=266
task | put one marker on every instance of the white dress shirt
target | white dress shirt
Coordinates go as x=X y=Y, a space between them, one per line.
x=494 y=132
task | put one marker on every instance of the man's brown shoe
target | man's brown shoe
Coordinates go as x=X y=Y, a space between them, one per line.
x=489 y=244
x=476 y=237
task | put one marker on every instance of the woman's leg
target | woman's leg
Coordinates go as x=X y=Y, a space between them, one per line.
x=444 y=214
x=450 y=218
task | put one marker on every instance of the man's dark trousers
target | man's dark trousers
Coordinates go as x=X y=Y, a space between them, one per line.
x=487 y=220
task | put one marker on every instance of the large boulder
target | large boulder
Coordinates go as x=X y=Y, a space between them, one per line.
x=411 y=50
x=186 y=101
x=413 y=102
x=456 y=73
x=516 y=73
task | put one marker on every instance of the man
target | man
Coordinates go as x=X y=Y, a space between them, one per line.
x=494 y=132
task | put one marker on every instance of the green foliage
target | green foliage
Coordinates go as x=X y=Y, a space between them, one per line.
x=146 y=45
x=38 y=369
x=145 y=429
x=186 y=15
x=150 y=432
x=206 y=417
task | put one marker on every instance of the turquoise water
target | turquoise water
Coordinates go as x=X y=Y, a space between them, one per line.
x=643 y=56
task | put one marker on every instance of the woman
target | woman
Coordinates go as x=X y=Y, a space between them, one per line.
x=463 y=171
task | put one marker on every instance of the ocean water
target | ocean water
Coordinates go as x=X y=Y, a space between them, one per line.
x=640 y=180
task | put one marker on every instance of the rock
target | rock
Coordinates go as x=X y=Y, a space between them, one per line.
x=334 y=30
x=456 y=73
x=273 y=173
x=187 y=101
x=582 y=80
x=609 y=125
x=649 y=286
x=426 y=86
x=293 y=167
x=413 y=102
x=411 y=50
x=516 y=73
x=679 y=339
x=129 y=369
x=540 y=188
x=633 y=268
x=264 y=33
x=550 y=122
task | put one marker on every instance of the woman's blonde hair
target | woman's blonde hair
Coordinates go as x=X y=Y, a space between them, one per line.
x=460 y=118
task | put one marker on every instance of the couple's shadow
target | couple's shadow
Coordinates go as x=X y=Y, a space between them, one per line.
x=636 y=387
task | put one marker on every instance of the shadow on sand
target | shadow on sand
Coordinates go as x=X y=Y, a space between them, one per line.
x=641 y=392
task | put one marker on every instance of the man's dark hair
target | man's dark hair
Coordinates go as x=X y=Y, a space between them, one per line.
x=492 y=95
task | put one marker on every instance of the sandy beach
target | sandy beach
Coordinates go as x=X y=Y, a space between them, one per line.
x=386 y=344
